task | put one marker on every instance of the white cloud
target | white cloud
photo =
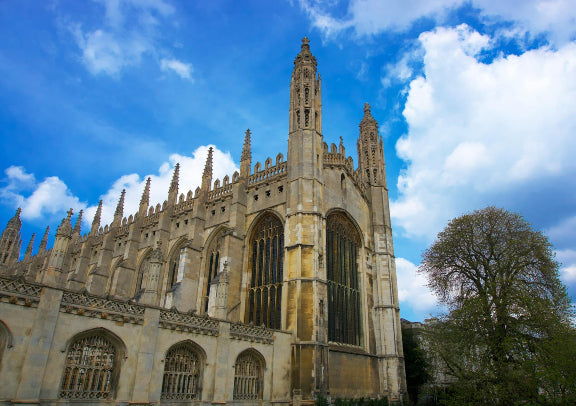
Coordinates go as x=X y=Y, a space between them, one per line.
x=412 y=289
x=51 y=197
x=568 y=268
x=180 y=68
x=367 y=17
x=479 y=129
x=130 y=29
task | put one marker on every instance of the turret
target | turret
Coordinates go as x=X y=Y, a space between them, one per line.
x=78 y=224
x=10 y=241
x=370 y=151
x=145 y=199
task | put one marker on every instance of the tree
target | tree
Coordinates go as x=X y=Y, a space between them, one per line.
x=415 y=362
x=507 y=310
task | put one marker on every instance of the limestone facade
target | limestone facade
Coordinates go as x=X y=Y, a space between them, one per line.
x=270 y=286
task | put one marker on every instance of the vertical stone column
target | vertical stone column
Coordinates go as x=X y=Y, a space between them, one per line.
x=143 y=392
x=41 y=336
x=222 y=384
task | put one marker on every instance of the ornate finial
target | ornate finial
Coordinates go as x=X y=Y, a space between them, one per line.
x=65 y=227
x=96 y=221
x=207 y=175
x=145 y=199
x=78 y=223
x=367 y=109
x=120 y=207
x=305 y=41
x=247 y=149
x=44 y=242
x=174 y=183
x=30 y=247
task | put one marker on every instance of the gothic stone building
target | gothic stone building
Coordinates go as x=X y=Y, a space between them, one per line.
x=271 y=286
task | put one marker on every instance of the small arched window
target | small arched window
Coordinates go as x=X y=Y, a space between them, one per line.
x=182 y=373
x=344 y=315
x=248 y=376
x=266 y=267
x=92 y=367
x=213 y=260
x=177 y=265
x=143 y=274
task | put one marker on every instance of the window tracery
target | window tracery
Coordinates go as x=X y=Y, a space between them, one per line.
x=266 y=268
x=177 y=265
x=213 y=265
x=143 y=274
x=182 y=373
x=91 y=368
x=248 y=376
x=344 y=315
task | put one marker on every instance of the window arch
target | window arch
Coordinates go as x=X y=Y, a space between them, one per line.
x=176 y=266
x=213 y=261
x=92 y=366
x=182 y=372
x=344 y=312
x=266 y=268
x=248 y=375
x=143 y=273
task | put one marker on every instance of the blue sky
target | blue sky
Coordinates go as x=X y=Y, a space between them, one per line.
x=476 y=102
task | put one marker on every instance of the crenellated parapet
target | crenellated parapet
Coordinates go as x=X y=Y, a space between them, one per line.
x=270 y=173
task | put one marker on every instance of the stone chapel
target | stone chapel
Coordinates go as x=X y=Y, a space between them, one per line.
x=270 y=286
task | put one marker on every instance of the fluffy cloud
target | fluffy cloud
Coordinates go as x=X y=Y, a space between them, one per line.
x=479 y=130
x=368 y=17
x=129 y=30
x=412 y=290
x=37 y=199
x=180 y=68
x=51 y=197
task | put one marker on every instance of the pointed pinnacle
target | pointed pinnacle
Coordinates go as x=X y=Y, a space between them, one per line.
x=96 y=220
x=44 y=242
x=78 y=224
x=65 y=227
x=145 y=199
x=120 y=207
x=30 y=247
x=208 y=166
x=247 y=149
x=15 y=221
x=175 y=177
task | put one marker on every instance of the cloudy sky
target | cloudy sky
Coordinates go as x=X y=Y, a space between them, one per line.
x=476 y=102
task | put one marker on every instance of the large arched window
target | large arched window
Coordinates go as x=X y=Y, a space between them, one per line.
x=266 y=262
x=213 y=259
x=248 y=375
x=92 y=367
x=344 y=315
x=182 y=373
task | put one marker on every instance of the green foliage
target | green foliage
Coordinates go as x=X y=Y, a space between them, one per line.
x=415 y=362
x=508 y=338
x=321 y=401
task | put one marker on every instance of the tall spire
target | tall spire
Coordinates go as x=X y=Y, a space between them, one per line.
x=145 y=199
x=305 y=92
x=246 y=159
x=44 y=242
x=78 y=224
x=96 y=220
x=173 y=191
x=119 y=209
x=207 y=175
x=65 y=227
x=15 y=222
x=30 y=247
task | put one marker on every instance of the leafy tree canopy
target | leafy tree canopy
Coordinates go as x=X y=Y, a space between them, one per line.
x=508 y=309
